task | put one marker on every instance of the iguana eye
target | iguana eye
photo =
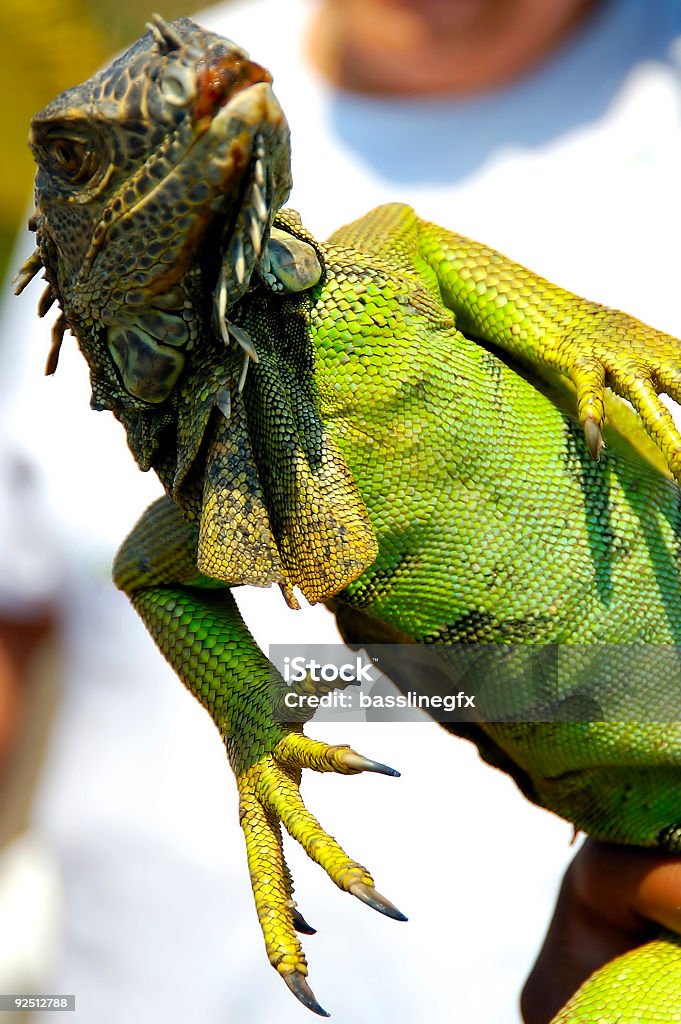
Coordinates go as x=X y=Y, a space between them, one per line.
x=75 y=161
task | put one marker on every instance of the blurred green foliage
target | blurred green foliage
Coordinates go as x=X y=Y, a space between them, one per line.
x=45 y=47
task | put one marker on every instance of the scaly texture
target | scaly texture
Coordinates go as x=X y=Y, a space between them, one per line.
x=401 y=423
x=647 y=985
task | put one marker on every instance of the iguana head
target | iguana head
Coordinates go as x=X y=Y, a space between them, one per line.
x=157 y=183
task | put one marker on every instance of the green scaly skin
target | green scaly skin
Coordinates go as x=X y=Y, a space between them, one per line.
x=401 y=423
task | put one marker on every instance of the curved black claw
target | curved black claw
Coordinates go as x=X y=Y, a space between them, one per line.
x=372 y=898
x=302 y=991
x=594 y=438
x=300 y=924
x=365 y=764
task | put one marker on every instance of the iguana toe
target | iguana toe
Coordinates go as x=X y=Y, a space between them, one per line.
x=298 y=751
x=358 y=763
x=367 y=894
x=300 y=924
x=594 y=438
x=302 y=991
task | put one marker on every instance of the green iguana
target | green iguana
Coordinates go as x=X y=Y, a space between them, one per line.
x=400 y=423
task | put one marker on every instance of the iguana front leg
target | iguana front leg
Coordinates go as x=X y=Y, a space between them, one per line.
x=199 y=630
x=548 y=329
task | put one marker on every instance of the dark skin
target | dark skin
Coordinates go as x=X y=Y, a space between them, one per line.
x=610 y=901
x=436 y=47
x=18 y=642
x=10 y=697
x=612 y=896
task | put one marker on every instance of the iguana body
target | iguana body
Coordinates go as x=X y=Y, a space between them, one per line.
x=320 y=421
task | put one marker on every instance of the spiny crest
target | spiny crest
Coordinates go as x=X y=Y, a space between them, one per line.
x=165 y=36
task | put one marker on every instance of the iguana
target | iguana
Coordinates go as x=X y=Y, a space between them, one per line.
x=400 y=423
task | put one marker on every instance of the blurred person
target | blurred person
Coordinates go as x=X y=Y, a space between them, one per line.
x=551 y=132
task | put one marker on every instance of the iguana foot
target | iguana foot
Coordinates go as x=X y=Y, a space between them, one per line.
x=638 y=364
x=268 y=798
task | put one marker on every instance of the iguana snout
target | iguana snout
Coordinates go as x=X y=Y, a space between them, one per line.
x=220 y=76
